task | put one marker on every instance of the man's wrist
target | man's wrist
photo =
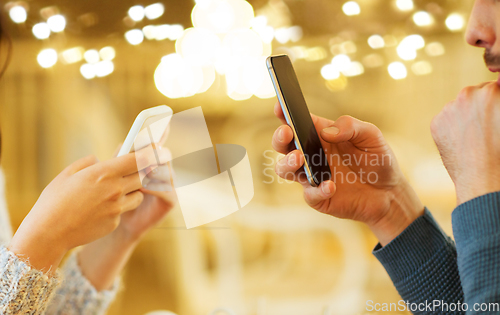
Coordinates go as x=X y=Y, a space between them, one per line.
x=405 y=207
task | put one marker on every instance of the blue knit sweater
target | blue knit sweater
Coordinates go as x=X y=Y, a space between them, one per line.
x=434 y=275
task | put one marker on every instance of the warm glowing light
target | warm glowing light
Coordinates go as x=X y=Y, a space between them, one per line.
x=421 y=68
x=88 y=71
x=455 y=22
x=91 y=56
x=355 y=69
x=435 y=49
x=18 y=14
x=390 y=41
x=295 y=33
x=57 y=23
x=351 y=8
x=198 y=46
x=150 y=32
x=176 y=31
x=406 y=52
x=348 y=47
x=329 y=72
x=376 y=41
x=47 y=58
x=373 y=61
x=404 y=5
x=107 y=53
x=397 y=70
x=136 y=13
x=414 y=41
x=407 y=49
x=243 y=43
x=72 y=55
x=221 y=16
x=176 y=78
x=423 y=18
x=341 y=62
x=134 y=37
x=154 y=11
x=282 y=35
x=104 y=68
x=41 y=30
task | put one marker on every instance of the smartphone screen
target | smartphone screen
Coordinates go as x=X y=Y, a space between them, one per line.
x=292 y=101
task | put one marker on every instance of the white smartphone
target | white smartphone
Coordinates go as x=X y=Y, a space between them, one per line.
x=150 y=126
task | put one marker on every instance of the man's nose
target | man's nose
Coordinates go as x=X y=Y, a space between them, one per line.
x=481 y=27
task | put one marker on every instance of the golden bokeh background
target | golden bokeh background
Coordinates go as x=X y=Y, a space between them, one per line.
x=275 y=256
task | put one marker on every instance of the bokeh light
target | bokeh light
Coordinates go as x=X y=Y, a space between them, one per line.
x=198 y=46
x=405 y=5
x=423 y=18
x=376 y=42
x=435 y=49
x=422 y=68
x=41 y=30
x=91 y=56
x=341 y=62
x=154 y=11
x=397 y=70
x=104 y=68
x=107 y=53
x=72 y=55
x=134 y=37
x=18 y=14
x=351 y=8
x=136 y=13
x=57 y=23
x=47 y=58
x=88 y=71
x=455 y=22
x=329 y=72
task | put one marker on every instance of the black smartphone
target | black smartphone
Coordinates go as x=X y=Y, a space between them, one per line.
x=297 y=116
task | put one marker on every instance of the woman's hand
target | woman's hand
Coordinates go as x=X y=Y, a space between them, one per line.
x=83 y=203
x=102 y=260
x=159 y=198
x=367 y=186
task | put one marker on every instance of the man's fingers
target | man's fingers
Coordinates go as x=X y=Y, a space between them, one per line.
x=282 y=139
x=279 y=112
x=347 y=128
x=314 y=196
x=288 y=166
x=132 y=200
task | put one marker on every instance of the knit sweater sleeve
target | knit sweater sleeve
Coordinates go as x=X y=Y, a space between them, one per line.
x=476 y=227
x=77 y=295
x=422 y=264
x=23 y=289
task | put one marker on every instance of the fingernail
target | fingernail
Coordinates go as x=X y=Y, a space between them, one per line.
x=331 y=131
x=280 y=134
x=326 y=188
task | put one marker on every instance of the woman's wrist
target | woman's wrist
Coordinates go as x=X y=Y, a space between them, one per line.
x=405 y=207
x=39 y=251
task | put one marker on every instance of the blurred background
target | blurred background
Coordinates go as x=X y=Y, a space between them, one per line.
x=80 y=71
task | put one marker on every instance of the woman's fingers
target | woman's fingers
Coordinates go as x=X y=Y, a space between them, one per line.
x=132 y=200
x=282 y=140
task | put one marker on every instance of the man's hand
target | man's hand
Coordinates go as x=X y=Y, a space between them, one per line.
x=467 y=134
x=367 y=185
